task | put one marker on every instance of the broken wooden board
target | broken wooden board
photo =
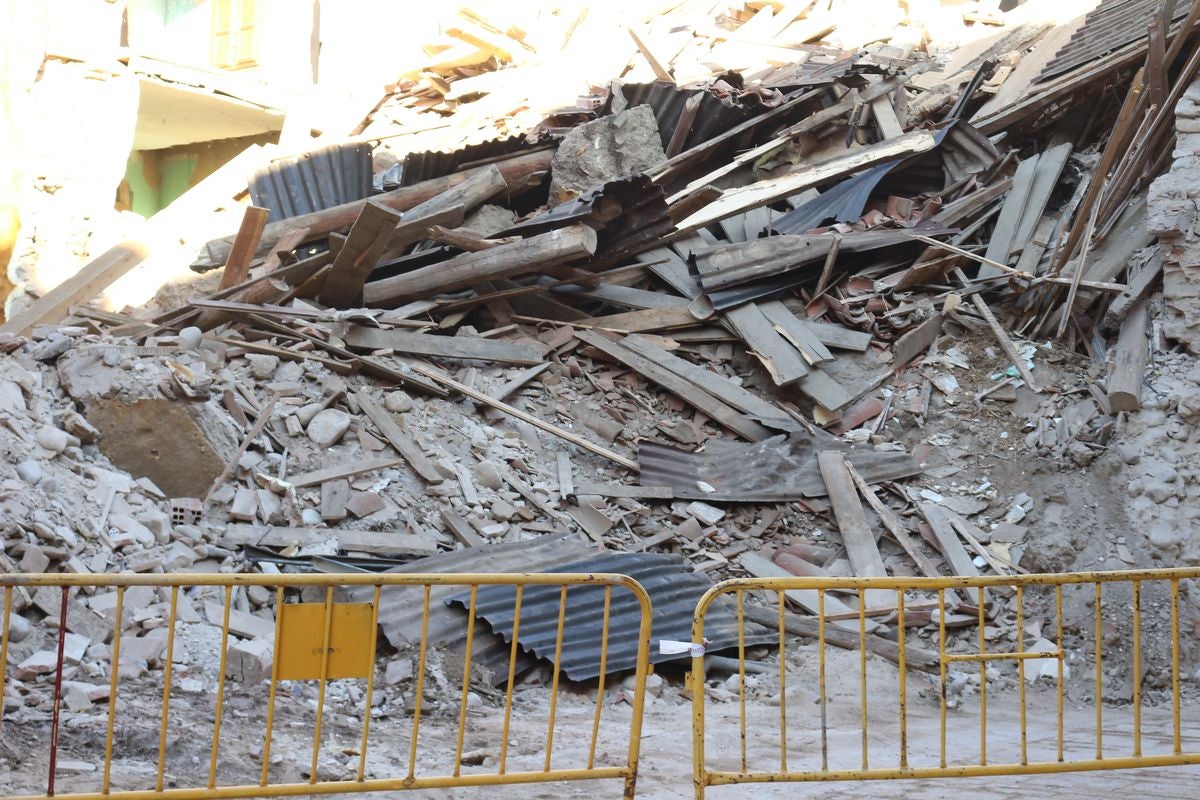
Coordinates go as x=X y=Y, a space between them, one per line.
x=717 y=385
x=1129 y=361
x=1001 y=241
x=688 y=392
x=458 y=347
x=917 y=341
x=624 y=490
x=808 y=599
x=957 y=557
x=650 y=319
x=839 y=337
x=860 y=544
x=782 y=361
x=461 y=529
x=384 y=543
x=398 y=439
x=796 y=331
x=245 y=245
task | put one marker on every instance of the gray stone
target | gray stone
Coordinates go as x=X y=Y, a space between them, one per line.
x=306 y=412
x=249 y=661
x=487 y=475
x=604 y=149
x=1129 y=453
x=263 y=366
x=397 y=402
x=328 y=427
x=190 y=337
x=29 y=471
x=398 y=671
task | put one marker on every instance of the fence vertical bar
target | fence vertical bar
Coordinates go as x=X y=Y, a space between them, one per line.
x=783 y=690
x=741 y=617
x=420 y=695
x=983 y=693
x=326 y=645
x=362 y=748
x=942 y=673
x=558 y=645
x=105 y=782
x=276 y=650
x=1137 y=668
x=216 y=742
x=821 y=669
x=466 y=684
x=8 y=590
x=1099 y=677
x=1178 y=738
x=512 y=678
x=57 y=707
x=166 y=703
x=591 y=762
x=903 y=679
x=1021 y=671
x=1062 y=655
x=862 y=669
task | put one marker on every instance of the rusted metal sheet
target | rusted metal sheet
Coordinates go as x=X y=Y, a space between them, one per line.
x=778 y=469
x=313 y=181
x=674 y=590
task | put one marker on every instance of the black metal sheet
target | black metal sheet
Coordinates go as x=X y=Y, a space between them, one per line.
x=674 y=590
x=313 y=181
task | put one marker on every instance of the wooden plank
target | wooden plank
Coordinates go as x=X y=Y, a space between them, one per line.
x=1138 y=289
x=528 y=255
x=347 y=470
x=886 y=121
x=566 y=484
x=531 y=496
x=1050 y=165
x=94 y=278
x=334 y=496
x=593 y=522
x=515 y=384
x=245 y=245
x=459 y=347
x=796 y=332
x=627 y=296
x=840 y=337
x=823 y=389
x=917 y=341
x=1129 y=361
x=685 y=390
x=717 y=385
x=363 y=248
x=893 y=523
x=957 y=557
x=384 y=543
x=650 y=319
x=782 y=361
x=1001 y=241
x=660 y=72
x=264 y=416
x=461 y=529
x=625 y=490
x=808 y=599
x=860 y=544
x=915 y=657
x=398 y=439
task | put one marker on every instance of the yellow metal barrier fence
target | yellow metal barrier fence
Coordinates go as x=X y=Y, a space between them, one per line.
x=322 y=641
x=1124 y=607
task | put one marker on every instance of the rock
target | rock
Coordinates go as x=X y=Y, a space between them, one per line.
x=397 y=402
x=34 y=559
x=310 y=517
x=328 y=427
x=709 y=515
x=605 y=149
x=42 y=662
x=364 y=504
x=29 y=471
x=1129 y=453
x=19 y=628
x=398 y=671
x=487 y=475
x=249 y=660
x=263 y=366
x=53 y=439
x=190 y=338
x=306 y=413
x=503 y=511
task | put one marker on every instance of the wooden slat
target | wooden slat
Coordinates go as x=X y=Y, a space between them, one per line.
x=397 y=438
x=650 y=319
x=426 y=344
x=358 y=255
x=625 y=490
x=840 y=337
x=796 y=331
x=347 y=470
x=1129 y=361
x=384 y=543
x=685 y=390
x=1001 y=241
x=807 y=599
x=956 y=555
x=718 y=386
x=782 y=361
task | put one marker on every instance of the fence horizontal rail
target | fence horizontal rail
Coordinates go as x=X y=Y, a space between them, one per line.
x=843 y=749
x=314 y=640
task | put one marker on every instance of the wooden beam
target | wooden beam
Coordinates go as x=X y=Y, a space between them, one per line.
x=957 y=557
x=81 y=287
x=359 y=254
x=1129 y=361
x=245 y=245
x=533 y=254
x=383 y=543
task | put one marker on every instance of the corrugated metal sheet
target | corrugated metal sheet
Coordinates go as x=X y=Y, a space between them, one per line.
x=400 y=608
x=1110 y=26
x=316 y=180
x=778 y=469
x=436 y=164
x=674 y=590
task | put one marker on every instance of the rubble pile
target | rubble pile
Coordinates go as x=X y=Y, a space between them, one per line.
x=817 y=278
